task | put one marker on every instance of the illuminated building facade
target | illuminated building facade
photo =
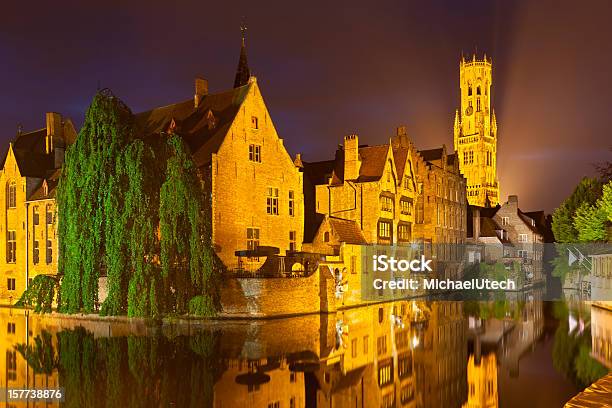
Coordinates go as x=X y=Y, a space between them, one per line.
x=475 y=132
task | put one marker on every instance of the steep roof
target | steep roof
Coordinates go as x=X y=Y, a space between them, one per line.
x=373 y=160
x=400 y=157
x=431 y=154
x=203 y=128
x=348 y=231
x=52 y=182
x=30 y=153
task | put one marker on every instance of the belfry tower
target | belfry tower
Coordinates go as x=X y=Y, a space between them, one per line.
x=475 y=132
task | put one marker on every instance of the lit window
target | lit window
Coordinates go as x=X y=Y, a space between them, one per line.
x=272 y=201
x=385 y=373
x=522 y=238
x=255 y=153
x=11 y=246
x=384 y=229
x=11 y=195
x=254 y=122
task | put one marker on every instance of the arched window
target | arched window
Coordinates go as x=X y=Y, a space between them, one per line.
x=326 y=236
x=11 y=194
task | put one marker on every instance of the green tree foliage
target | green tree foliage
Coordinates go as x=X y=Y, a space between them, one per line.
x=87 y=181
x=587 y=192
x=117 y=190
x=40 y=294
x=187 y=259
x=590 y=220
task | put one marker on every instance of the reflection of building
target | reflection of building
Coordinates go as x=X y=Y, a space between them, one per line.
x=601 y=333
x=373 y=363
x=440 y=359
x=28 y=179
x=511 y=330
x=482 y=382
x=601 y=277
x=14 y=370
x=261 y=383
x=475 y=132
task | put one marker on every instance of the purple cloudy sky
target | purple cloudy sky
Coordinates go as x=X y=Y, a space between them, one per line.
x=330 y=68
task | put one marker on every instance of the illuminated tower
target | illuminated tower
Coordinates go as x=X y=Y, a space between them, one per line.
x=475 y=131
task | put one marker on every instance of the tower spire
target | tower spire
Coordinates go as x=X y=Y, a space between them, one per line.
x=242 y=72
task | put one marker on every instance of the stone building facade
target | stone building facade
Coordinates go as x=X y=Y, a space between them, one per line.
x=441 y=209
x=509 y=234
x=256 y=191
x=475 y=132
x=28 y=227
x=366 y=193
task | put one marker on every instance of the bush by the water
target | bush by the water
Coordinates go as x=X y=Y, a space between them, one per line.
x=40 y=294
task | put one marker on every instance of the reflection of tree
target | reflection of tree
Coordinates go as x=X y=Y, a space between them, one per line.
x=41 y=357
x=497 y=309
x=571 y=351
x=129 y=371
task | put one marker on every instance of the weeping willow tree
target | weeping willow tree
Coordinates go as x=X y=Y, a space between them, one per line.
x=86 y=182
x=187 y=259
x=134 y=209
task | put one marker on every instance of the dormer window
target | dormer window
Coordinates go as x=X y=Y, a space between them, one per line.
x=45 y=187
x=211 y=121
x=254 y=122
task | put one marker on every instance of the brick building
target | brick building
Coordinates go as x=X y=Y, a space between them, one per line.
x=256 y=192
x=511 y=234
x=441 y=209
x=28 y=228
x=365 y=195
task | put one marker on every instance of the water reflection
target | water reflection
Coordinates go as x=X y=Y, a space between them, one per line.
x=399 y=354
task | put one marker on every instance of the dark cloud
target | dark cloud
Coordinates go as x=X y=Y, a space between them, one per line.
x=328 y=68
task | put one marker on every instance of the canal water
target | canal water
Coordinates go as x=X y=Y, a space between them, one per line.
x=397 y=354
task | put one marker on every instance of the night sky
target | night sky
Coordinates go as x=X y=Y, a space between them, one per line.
x=327 y=69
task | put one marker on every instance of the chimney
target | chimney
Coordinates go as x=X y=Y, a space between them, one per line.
x=401 y=137
x=55 y=130
x=298 y=161
x=352 y=163
x=513 y=201
x=201 y=90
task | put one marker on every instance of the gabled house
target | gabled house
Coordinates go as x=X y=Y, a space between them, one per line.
x=254 y=189
x=30 y=171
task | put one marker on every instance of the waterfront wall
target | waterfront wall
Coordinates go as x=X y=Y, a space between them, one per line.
x=268 y=297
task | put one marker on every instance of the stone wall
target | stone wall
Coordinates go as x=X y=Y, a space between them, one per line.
x=268 y=297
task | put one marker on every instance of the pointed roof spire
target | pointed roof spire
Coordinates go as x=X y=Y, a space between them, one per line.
x=242 y=72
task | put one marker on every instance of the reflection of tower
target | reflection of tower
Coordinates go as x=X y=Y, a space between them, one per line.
x=482 y=382
x=475 y=132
